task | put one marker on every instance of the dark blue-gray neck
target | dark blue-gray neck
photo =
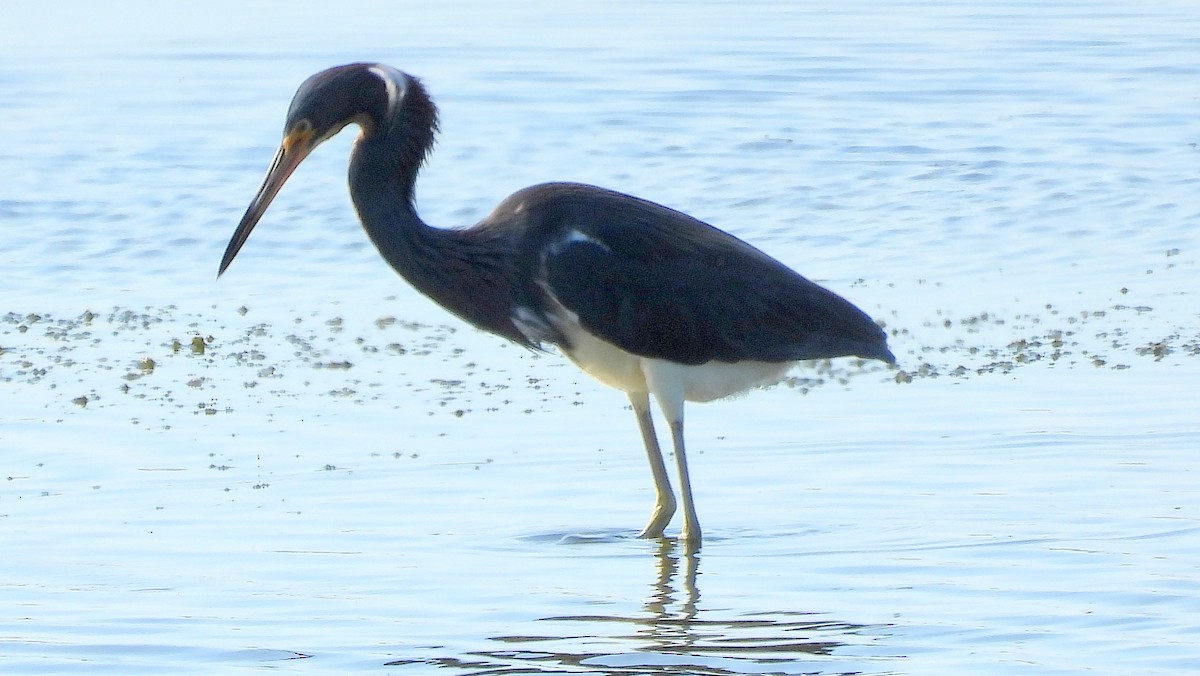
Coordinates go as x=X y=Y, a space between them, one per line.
x=470 y=272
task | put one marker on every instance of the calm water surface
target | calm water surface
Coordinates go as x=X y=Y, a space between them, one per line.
x=307 y=467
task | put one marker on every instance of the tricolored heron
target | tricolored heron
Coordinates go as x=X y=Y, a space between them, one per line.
x=642 y=297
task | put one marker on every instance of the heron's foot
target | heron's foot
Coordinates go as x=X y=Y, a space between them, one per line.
x=663 y=511
x=690 y=535
x=690 y=532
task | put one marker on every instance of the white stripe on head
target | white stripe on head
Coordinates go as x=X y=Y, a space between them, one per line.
x=396 y=84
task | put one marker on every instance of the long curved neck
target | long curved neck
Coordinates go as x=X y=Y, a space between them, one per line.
x=468 y=272
x=382 y=188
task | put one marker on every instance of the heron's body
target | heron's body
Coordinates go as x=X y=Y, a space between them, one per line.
x=644 y=298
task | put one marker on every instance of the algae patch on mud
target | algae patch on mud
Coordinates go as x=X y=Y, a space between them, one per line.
x=171 y=361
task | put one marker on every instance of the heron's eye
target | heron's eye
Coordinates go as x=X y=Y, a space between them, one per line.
x=301 y=135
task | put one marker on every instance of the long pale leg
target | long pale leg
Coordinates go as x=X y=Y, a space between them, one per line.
x=691 y=524
x=664 y=503
x=666 y=382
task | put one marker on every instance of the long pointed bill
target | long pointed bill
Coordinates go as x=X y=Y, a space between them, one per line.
x=292 y=152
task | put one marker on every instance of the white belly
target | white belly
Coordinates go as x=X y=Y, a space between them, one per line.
x=628 y=372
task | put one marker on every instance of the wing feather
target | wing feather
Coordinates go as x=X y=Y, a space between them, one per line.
x=659 y=283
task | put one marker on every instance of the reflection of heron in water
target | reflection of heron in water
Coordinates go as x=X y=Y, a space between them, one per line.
x=668 y=634
x=672 y=616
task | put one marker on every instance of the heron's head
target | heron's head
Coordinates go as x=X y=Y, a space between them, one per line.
x=383 y=101
x=368 y=94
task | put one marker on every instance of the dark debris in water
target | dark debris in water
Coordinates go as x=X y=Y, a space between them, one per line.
x=163 y=355
x=219 y=362
x=1100 y=338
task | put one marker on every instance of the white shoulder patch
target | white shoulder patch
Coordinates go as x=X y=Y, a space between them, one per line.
x=576 y=237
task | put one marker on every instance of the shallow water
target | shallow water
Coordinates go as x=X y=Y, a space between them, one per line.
x=307 y=467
